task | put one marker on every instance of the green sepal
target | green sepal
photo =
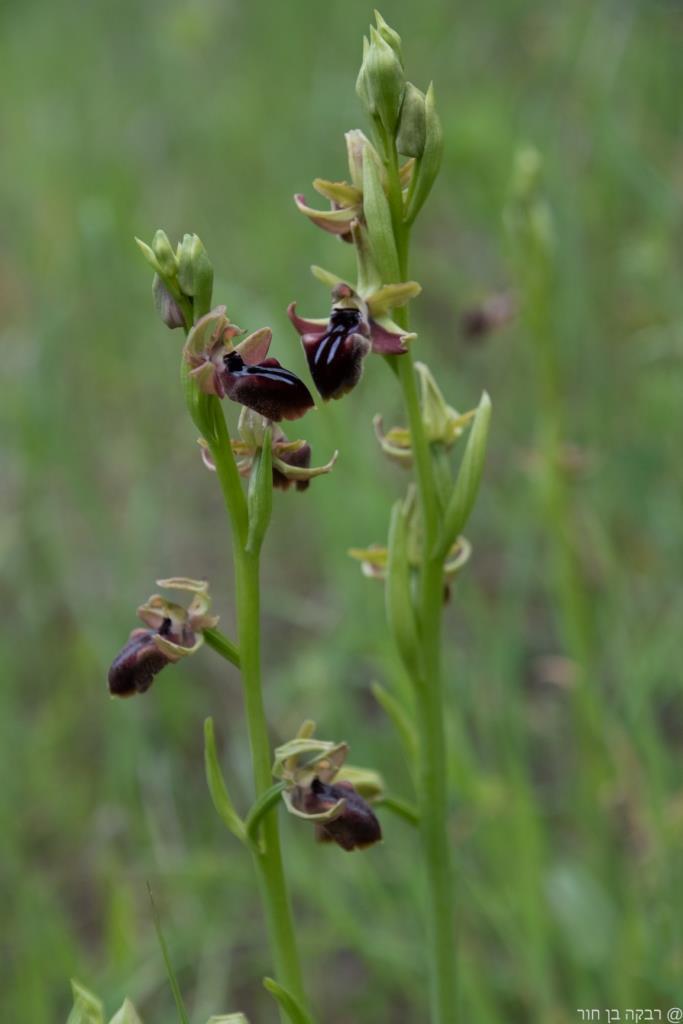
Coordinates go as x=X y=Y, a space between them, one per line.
x=288 y=1003
x=468 y=479
x=378 y=219
x=126 y=1015
x=412 y=126
x=217 y=788
x=87 y=1008
x=148 y=254
x=260 y=495
x=428 y=165
x=400 y=610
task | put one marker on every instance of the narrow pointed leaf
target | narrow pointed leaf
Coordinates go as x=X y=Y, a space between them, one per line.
x=469 y=477
x=172 y=978
x=400 y=718
x=289 y=1004
x=217 y=788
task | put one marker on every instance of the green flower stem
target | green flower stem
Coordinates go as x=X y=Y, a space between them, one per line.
x=432 y=771
x=220 y=643
x=268 y=857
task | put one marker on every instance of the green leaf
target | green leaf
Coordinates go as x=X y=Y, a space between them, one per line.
x=216 y=783
x=378 y=220
x=400 y=610
x=468 y=479
x=87 y=1008
x=427 y=167
x=289 y=1004
x=260 y=496
x=173 y=980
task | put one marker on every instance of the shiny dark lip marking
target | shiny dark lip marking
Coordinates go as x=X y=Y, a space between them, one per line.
x=343 y=322
x=236 y=367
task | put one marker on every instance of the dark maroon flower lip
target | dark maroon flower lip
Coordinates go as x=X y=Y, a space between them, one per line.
x=335 y=351
x=355 y=828
x=266 y=387
x=139 y=661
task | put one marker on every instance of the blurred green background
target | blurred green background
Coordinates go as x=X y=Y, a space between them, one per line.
x=206 y=115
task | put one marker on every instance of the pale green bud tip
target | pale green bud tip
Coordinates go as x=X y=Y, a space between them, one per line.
x=389 y=35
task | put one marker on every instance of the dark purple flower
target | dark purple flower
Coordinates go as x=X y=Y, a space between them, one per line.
x=243 y=372
x=173 y=632
x=335 y=348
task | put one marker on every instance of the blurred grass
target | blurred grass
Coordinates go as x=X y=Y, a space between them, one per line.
x=206 y=116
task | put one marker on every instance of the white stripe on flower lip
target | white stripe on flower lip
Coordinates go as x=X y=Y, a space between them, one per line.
x=333 y=350
x=321 y=345
x=270 y=372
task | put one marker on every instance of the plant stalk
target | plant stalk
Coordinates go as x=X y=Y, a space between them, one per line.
x=268 y=858
x=432 y=772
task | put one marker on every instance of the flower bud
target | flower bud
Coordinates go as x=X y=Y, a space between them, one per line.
x=163 y=250
x=429 y=161
x=469 y=476
x=166 y=306
x=443 y=425
x=381 y=82
x=412 y=125
x=195 y=274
